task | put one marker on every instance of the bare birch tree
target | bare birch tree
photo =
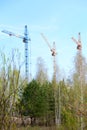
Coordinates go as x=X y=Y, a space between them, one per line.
x=79 y=79
x=9 y=89
x=41 y=74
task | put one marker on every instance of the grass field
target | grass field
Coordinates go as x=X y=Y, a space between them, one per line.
x=37 y=128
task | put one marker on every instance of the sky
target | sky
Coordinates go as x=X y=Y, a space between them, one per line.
x=58 y=20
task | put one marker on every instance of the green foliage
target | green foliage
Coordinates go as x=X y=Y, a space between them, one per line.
x=36 y=99
x=33 y=99
x=9 y=87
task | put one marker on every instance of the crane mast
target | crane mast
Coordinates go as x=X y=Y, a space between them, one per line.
x=25 y=40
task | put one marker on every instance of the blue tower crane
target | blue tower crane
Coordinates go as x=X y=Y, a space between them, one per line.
x=25 y=40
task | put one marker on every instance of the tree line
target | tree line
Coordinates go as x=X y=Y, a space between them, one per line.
x=36 y=99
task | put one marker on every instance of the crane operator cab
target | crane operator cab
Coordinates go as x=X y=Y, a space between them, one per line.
x=79 y=47
x=53 y=52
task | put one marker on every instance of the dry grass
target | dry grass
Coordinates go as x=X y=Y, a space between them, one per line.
x=37 y=128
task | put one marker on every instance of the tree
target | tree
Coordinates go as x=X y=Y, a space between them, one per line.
x=9 y=89
x=67 y=111
x=32 y=99
x=37 y=101
x=79 y=80
x=41 y=74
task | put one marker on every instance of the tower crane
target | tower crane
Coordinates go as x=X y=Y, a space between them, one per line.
x=54 y=53
x=25 y=40
x=79 y=45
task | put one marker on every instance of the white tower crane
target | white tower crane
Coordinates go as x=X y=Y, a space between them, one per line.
x=79 y=47
x=25 y=40
x=54 y=53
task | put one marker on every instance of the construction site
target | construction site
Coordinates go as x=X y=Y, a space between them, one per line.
x=43 y=65
x=57 y=99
